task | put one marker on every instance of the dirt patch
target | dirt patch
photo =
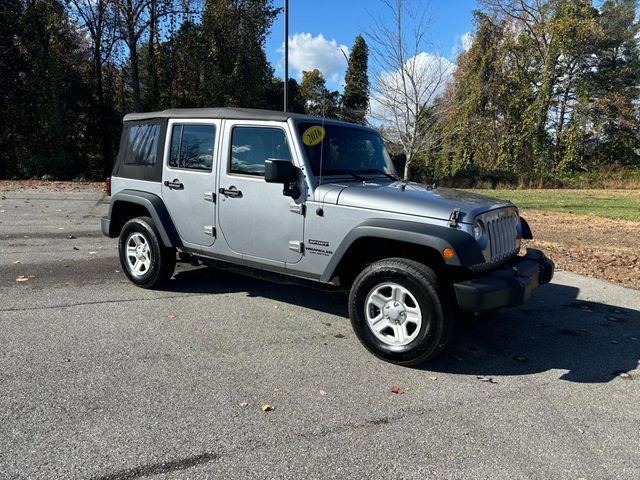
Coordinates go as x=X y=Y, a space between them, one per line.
x=594 y=246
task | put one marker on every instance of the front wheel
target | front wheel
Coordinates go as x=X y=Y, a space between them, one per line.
x=144 y=258
x=399 y=312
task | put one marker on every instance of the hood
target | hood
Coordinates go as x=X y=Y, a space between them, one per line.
x=410 y=199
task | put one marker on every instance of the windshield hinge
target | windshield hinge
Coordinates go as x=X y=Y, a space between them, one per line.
x=454 y=217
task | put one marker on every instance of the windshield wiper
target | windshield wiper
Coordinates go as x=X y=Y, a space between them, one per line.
x=380 y=171
x=337 y=171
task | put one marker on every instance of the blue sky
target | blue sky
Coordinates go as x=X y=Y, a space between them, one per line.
x=318 y=29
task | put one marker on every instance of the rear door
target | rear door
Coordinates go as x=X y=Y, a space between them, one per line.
x=188 y=179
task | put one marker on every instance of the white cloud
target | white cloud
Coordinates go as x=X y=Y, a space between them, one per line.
x=462 y=44
x=430 y=72
x=307 y=52
x=466 y=40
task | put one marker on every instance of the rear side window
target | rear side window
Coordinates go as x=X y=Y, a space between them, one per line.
x=142 y=145
x=251 y=146
x=192 y=146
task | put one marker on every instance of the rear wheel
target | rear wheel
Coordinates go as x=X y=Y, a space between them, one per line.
x=144 y=258
x=399 y=312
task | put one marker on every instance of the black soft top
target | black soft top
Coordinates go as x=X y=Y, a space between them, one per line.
x=225 y=113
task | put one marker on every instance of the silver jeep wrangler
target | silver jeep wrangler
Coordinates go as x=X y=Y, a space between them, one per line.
x=318 y=200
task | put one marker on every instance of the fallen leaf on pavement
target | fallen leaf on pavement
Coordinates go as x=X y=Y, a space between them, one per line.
x=22 y=278
x=244 y=404
x=16 y=262
x=323 y=393
x=171 y=316
x=482 y=378
x=76 y=248
x=92 y=253
x=266 y=407
x=275 y=389
x=397 y=389
x=433 y=378
x=71 y=237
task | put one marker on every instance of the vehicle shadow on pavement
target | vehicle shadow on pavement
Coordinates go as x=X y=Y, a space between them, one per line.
x=591 y=342
x=212 y=280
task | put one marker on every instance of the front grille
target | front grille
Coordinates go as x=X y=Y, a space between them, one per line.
x=502 y=231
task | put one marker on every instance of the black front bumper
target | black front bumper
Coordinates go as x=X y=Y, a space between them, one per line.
x=512 y=284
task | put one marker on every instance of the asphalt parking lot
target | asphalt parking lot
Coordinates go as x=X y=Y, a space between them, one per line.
x=102 y=380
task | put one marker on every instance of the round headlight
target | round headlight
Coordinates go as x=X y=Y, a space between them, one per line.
x=478 y=230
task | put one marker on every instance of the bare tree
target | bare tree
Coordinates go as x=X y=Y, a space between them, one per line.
x=97 y=18
x=136 y=18
x=407 y=79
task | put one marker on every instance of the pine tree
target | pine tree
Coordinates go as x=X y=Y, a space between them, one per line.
x=355 y=99
x=318 y=100
x=237 y=72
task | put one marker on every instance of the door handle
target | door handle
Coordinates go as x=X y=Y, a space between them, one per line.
x=232 y=192
x=175 y=185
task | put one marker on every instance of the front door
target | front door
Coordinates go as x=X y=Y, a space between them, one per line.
x=188 y=179
x=256 y=219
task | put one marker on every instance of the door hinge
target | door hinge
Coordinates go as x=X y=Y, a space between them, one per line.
x=454 y=217
x=296 y=246
x=210 y=197
x=297 y=208
x=210 y=230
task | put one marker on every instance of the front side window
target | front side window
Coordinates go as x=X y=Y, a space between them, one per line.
x=346 y=150
x=192 y=146
x=142 y=145
x=251 y=146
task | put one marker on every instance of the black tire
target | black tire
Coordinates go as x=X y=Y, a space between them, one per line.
x=163 y=259
x=438 y=319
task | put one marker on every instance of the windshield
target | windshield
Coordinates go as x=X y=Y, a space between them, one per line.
x=345 y=150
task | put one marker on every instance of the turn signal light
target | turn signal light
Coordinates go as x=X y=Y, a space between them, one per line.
x=448 y=253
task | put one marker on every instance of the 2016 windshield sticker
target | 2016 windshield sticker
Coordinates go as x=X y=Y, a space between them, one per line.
x=313 y=135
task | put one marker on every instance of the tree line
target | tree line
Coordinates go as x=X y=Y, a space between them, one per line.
x=547 y=86
x=71 y=69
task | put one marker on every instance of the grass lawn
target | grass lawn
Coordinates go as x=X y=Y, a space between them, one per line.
x=620 y=204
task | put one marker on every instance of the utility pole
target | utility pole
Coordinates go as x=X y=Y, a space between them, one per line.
x=286 y=55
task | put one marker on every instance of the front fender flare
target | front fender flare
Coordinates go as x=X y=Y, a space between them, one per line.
x=157 y=210
x=437 y=237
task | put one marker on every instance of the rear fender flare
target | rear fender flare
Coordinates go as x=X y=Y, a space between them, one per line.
x=156 y=208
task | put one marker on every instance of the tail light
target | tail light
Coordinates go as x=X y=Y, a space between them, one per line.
x=107 y=185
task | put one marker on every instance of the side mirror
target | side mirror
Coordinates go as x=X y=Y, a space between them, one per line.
x=280 y=171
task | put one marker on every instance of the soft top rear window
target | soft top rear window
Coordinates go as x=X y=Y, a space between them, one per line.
x=141 y=147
